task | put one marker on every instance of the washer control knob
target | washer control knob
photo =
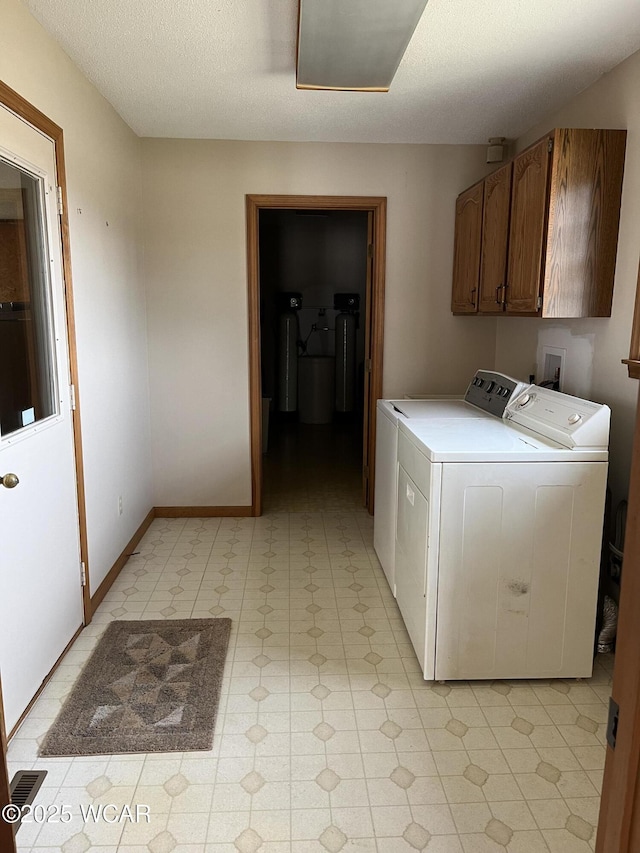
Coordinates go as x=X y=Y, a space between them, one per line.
x=490 y=387
x=575 y=419
x=522 y=402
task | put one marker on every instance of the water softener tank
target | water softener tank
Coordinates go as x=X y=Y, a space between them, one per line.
x=345 y=362
x=288 y=362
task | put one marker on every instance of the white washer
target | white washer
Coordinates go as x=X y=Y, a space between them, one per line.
x=498 y=539
x=487 y=396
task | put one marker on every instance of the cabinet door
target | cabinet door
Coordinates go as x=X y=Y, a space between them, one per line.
x=495 y=233
x=584 y=212
x=466 y=253
x=527 y=233
x=518 y=574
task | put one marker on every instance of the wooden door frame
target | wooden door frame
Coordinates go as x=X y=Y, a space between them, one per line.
x=619 y=821
x=7 y=835
x=377 y=205
x=16 y=104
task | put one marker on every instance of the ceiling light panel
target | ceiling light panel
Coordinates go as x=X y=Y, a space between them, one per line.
x=353 y=45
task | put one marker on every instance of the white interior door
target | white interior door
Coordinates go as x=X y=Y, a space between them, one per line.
x=40 y=586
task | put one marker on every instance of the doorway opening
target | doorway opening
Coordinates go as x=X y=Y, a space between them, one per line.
x=316 y=292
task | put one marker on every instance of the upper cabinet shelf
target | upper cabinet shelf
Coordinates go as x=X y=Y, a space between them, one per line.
x=538 y=237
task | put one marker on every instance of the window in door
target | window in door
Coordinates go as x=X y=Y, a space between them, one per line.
x=27 y=354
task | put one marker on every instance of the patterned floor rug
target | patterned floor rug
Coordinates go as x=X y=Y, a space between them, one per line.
x=149 y=686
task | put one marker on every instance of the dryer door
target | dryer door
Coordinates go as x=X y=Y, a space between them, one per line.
x=411 y=560
x=384 y=518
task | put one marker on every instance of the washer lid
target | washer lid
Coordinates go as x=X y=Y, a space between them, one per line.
x=432 y=407
x=571 y=421
x=488 y=440
x=446 y=408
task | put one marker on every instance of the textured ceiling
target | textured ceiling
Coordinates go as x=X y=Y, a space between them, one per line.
x=225 y=69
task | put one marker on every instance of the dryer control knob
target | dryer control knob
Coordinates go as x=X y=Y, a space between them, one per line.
x=574 y=419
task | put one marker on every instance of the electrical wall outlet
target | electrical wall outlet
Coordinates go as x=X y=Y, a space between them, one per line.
x=119 y=504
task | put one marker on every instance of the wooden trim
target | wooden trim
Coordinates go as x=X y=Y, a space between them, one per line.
x=368 y=290
x=45 y=681
x=619 y=820
x=633 y=362
x=620 y=788
x=114 y=571
x=317 y=202
x=26 y=111
x=73 y=369
x=377 y=334
x=633 y=365
x=255 y=379
x=7 y=837
x=203 y=511
x=254 y=203
x=18 y=105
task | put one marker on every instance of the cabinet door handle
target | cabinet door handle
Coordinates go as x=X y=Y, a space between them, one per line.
x=473 y=295
x=504 y=294
x=498 y=289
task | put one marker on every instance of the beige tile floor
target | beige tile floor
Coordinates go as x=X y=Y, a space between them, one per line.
x=327 y=737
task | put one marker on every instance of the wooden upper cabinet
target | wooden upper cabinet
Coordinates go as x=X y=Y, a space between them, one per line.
x=466 y=252
x=495 y=232
x=550 y=219
x=584 y=215
x=527 y=228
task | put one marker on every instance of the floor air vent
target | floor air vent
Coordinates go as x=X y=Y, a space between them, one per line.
x=24 y=787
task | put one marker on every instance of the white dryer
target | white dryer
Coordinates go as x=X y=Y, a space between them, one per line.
x=498 y=540
x=487 y=396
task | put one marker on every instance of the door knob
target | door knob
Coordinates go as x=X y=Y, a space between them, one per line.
x=9 y=481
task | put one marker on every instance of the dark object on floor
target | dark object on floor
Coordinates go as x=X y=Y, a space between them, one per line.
x=149 y=686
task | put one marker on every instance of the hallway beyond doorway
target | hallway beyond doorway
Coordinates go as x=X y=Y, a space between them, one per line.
x=313 y=468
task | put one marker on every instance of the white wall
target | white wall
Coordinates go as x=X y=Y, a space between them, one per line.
x=104 y=182
x=195 y=272
x=595 y=347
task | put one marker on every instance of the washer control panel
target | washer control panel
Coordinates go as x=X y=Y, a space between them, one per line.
x=492 y=391
x=571 y=421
